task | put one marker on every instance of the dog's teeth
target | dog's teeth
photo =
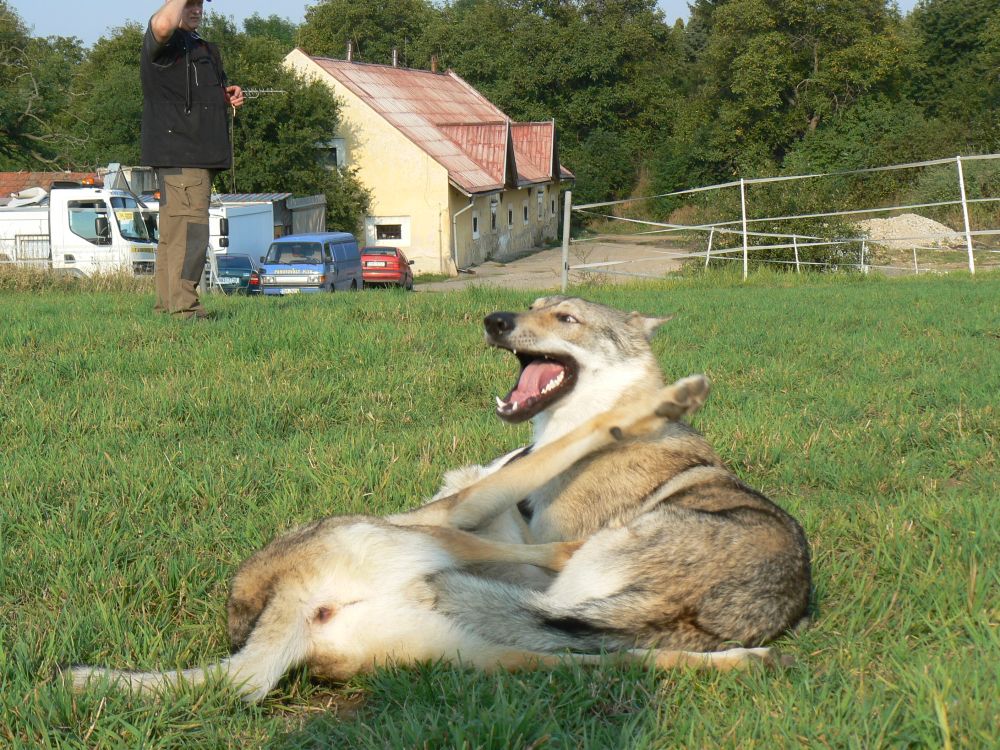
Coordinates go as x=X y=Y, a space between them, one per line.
x=499 y=402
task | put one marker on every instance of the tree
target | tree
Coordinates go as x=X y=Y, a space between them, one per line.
x=770 y=71
x=273 y=27
x=34 y=76
x=958 y=68
x=374 y=29
x=103 y=119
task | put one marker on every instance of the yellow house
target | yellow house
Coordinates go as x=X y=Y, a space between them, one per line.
x=453 y=180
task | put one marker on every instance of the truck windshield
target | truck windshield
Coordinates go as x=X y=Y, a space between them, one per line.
x=295 y=252
x=133 y=222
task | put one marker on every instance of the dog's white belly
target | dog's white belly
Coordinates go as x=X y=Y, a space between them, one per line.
x=385 y=630
x=594 y=570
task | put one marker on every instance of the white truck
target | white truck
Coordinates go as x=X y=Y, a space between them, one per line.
x=78 y=229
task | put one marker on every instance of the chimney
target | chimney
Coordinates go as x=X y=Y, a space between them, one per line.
x=395 y=57
x=350 y=51
x=434 y=63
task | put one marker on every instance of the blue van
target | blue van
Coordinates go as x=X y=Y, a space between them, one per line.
x=321 y=262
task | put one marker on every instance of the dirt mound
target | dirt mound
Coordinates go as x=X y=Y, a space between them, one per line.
x=911 y=230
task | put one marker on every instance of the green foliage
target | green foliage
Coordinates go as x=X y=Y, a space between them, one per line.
x=273 y=27
x=34 y=79
x=374 y=28
x=104 y=114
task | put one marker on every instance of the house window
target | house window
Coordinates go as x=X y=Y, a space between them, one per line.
x=553 y=206
x=475 y=225
x=493 y=218
x=388 y=231
x=541 y=204
x=332 y=154
x=510 y=216
x=525 y=211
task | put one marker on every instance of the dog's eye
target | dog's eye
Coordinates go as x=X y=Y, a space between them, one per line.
x=566 y=318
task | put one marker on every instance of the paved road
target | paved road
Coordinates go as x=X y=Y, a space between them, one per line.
x=613 y=262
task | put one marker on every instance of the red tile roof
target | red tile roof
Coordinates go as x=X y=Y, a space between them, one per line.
x=454 y=124
x=15 y=182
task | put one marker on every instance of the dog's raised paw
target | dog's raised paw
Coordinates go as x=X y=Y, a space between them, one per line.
x=683 y=397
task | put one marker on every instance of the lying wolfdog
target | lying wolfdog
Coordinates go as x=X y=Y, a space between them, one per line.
x=345 y=594
x=679 y=552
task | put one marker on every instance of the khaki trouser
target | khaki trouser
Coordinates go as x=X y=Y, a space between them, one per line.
x=180 y=256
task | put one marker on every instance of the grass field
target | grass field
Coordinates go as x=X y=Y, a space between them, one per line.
x=141 y=459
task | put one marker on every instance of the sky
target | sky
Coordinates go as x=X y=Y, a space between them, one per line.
x=90 y=20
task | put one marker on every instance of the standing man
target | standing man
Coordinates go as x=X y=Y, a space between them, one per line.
x=185 y=136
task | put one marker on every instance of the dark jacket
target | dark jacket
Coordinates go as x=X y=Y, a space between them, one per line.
x=185 y=117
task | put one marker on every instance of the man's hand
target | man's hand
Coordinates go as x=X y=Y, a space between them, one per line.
x=234 y=96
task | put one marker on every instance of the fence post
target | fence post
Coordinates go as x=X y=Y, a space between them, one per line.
x=708 y=250
x=743 y=211
x=916 y=268
x=864 y=247
x=965 y=214
x=567 y=216
x=795 y=246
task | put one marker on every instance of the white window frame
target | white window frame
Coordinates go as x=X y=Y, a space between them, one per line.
x=339 y=145
x=371 y=231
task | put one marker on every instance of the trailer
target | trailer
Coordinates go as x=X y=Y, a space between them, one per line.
x=241 y=229
x=78 y=229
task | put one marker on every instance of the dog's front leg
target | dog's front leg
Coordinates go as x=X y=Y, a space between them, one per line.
x=479 y=503
x=471 y=549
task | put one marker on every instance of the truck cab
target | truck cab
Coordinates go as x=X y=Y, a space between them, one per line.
x=82 y=230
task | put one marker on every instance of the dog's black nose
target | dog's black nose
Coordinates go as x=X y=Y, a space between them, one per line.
x=499 y=323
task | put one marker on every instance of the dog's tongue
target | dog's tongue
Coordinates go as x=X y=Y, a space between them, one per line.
x=533 y=379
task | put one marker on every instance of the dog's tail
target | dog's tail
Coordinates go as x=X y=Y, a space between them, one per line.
x=533 y=623
x=276 y=643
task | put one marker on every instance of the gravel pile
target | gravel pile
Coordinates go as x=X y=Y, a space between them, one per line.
x=909 y=230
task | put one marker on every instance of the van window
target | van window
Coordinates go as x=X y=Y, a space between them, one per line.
x=346 y=252
x=328 y=252
x=294 y=252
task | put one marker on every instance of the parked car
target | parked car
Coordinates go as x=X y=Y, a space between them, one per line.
x=320 y=262
x=386 y=265
x=238 y=274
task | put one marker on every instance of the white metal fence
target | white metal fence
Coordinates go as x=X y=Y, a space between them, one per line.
x=751 y=242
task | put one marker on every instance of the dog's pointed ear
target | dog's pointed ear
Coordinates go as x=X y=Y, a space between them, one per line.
x=647 y=324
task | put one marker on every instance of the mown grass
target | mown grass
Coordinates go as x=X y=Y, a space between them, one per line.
x=141 y=459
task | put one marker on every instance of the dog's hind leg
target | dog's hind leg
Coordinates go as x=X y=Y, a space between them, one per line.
x=277 y=642
x=720 y=661
x=642 y=417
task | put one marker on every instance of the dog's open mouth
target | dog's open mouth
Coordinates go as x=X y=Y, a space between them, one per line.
x=543 y=380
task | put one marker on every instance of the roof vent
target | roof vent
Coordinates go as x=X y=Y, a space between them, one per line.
x=395 y=57
x=350 y=51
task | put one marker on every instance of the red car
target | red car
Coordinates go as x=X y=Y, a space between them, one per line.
x=386 y=265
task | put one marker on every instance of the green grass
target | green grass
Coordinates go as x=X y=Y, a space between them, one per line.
x=141 y=459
